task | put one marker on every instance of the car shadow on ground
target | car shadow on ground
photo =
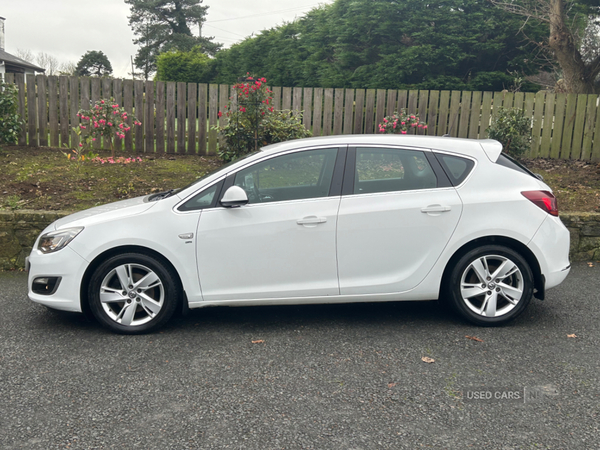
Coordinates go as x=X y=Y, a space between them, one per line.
x=407 y=314
x=270 y=317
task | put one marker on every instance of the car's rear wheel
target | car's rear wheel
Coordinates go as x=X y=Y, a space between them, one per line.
x=133 y=293
x=490 y=285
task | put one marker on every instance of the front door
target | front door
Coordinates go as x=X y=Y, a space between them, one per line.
x=282 y=244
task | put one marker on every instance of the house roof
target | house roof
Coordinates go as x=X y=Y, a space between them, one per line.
x=13 y=60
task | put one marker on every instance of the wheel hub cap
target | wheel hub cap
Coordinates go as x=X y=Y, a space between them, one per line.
x=491 y=298
x=132 y=294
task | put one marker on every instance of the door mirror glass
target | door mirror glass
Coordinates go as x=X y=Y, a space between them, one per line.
x=234 y=196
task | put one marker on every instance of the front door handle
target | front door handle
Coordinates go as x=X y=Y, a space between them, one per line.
x=311 y=220
x=435 y=209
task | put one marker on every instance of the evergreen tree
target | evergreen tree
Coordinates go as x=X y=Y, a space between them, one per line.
x=390 y=44
x=93 y=63
x=164 y=25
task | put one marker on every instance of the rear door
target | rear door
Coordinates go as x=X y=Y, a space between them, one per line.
x=397 y=213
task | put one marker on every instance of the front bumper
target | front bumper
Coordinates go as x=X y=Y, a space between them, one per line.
x=64 y=264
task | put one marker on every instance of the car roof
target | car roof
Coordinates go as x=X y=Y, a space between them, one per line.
x=468 y=147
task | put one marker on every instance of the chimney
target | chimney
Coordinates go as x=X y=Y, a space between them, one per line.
x=1 y=33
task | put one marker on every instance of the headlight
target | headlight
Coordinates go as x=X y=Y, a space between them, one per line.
x=56 y=240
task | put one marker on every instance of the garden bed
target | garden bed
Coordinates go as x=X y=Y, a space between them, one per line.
x=44 y=179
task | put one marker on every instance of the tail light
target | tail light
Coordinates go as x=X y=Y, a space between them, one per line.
x=544 y=199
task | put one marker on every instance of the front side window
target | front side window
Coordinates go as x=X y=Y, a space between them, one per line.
x=294 y=176
x=204 y=199
x=388 y=170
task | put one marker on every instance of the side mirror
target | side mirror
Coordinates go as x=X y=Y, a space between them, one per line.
x=234 y=197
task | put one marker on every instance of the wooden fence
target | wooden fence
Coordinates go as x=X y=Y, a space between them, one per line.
x=178 y=117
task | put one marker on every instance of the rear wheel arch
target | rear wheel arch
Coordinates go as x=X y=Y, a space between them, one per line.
x=85 y=281
x=511 y=243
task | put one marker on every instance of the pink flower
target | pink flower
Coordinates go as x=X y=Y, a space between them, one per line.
x=109 y=124
x=424 y=126
x=80 y=144
x=102 y=101
x=82 y=127
x=403 y=132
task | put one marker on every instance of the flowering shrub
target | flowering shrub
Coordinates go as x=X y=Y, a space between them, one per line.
x=106 y=119
x=119 y=160
x=252 y=122
x=401 y=122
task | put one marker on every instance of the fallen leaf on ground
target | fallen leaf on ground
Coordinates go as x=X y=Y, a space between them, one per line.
x=571 y=335
x=473 y=338
x=260 y=341
x=391 y=385
x=427 y=359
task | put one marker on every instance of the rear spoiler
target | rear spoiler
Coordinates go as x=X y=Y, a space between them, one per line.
x=492 y=149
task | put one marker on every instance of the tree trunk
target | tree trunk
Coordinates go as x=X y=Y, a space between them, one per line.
x=576 y=76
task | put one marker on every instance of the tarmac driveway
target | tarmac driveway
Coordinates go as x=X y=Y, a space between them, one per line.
x=322 y=377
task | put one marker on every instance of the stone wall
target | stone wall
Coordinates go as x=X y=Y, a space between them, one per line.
x=19 y=229
x=585 y=235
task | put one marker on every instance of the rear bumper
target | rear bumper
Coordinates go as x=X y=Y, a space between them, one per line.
x=550 y=244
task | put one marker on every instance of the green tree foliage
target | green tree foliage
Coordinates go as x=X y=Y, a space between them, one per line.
x=512 y=129
x=190 y=67
x=164 y=25
x=436 y=44
x=10 y=120
x=93 y=63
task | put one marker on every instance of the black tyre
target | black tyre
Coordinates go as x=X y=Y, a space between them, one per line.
x=490 y=285
x=133 y=293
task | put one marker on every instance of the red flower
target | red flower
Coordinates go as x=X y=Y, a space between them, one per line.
x=219 y=114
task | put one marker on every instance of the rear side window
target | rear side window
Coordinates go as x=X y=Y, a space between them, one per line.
x=389 y=170
x=456 y=168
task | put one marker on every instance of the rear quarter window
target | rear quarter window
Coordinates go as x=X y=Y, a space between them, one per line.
x=456 y=168
x=507 y=161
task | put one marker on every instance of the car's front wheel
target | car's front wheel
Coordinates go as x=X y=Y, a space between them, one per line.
x=491 y=285
x=133 y=293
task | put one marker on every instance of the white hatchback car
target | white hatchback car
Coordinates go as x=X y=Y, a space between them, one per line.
x=335 y=219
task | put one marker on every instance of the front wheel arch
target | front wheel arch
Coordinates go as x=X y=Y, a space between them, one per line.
x=513 y=244
x=85 y=281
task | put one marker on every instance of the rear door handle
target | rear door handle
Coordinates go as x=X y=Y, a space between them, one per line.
x=311 y=220
x=435 y=209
